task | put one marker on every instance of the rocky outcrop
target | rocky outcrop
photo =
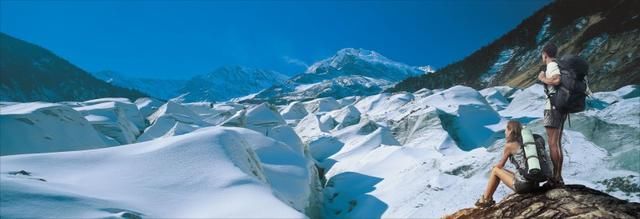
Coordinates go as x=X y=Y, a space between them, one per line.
x=604 y=32
x=572 y=201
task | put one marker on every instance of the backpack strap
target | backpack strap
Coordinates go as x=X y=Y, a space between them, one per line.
x=588 y=90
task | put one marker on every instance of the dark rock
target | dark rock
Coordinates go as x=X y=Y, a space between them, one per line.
x=21 y=172
x=572 y=201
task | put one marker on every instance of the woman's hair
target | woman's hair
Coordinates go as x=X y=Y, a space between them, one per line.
x=515 y=129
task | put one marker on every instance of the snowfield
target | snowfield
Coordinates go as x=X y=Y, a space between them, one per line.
x=211 y=173
x=392 y=155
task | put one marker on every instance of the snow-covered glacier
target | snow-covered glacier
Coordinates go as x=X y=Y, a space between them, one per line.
x=393 y=155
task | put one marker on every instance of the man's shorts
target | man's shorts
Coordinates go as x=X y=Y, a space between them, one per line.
x=554 y=119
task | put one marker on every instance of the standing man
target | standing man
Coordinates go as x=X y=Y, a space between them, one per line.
x=553 y=119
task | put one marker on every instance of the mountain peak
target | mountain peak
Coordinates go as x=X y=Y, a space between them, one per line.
x=349 y=72
x=230 y=81
x=349 y=56
x=243 y=71
x=427 y=69
x=233 y=68
x=362 y=53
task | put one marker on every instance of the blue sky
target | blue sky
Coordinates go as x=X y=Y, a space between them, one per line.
x=179 y=39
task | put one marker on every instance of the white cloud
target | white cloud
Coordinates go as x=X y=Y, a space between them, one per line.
x=295 y=61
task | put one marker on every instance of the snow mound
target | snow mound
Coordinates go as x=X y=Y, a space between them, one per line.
x=294 y=111
x=423 y=129
x=203 y=109
x=378 y=107
x=171 y=119
x=327 y=122
x=176 y=110
x=346 y=116
x=600 y=100
x=129 y=109
x=212 y=173
x=309 y=127
x=495 y=96
x=323 y=146
x=467 y=117
x=113 y=120
x=506 y=91
x=44 y=127
x=148 y=106
x=348 y=100
x=360 y=139
x=167 y=126
x=265 y=119
x=321 y=105
x=223 y=111
x=623 y=112
x=108 y=99
x=526 y=105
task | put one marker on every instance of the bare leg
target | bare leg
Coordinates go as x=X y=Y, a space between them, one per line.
x=556 y=152
x=560 y=131
x=497 y=175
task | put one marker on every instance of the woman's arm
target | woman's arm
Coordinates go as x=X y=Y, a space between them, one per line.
x=505 y=156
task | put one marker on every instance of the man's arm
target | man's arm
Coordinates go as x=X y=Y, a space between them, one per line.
x=553 y=80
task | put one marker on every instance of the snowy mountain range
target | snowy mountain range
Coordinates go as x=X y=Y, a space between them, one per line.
x=221 y=84
x=349 y=72
x=229 y=82
x=418 y=154
x=158 y=88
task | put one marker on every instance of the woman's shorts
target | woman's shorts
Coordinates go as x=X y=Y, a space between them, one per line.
x=524 y=186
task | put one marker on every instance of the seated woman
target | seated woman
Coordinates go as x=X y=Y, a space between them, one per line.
x=512 y=151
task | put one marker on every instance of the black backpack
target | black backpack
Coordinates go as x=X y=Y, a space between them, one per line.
x=571 y=94
x=545 y=158
x=541 y=170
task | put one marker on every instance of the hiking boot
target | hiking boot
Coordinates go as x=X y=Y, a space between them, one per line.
x=561 y=181
x=554 y=183
x=484 y=203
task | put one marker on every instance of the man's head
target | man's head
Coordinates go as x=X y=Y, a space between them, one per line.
x=549 y=52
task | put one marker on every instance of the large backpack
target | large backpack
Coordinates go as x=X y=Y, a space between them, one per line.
x=537 y=166
x=571 y=94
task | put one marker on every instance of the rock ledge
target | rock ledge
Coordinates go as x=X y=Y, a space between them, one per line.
x=572 y=201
